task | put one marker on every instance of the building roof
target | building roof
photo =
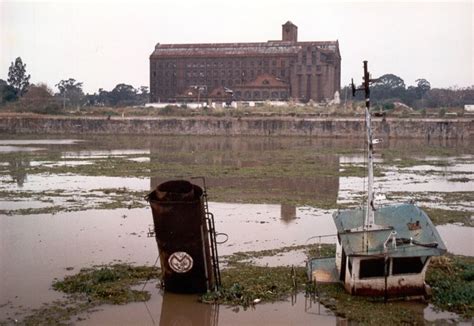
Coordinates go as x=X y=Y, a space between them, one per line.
x=264 y=81
x=289 y=23
x=238 y=49
x=408 y=220
x=220 y=91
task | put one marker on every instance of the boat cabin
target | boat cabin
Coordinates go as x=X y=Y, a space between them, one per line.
x=384 y=250
x=389 y=258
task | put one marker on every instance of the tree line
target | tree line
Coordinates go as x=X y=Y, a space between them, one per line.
x=42 y=99
x=390 y=88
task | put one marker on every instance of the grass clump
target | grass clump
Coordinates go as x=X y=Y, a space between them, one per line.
x=245 y=284
x=452 y=281
x=367 y=310
x=108 y=284
x=441 y=216
x=450 y=277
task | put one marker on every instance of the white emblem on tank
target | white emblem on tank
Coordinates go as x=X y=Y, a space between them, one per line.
x=180 y=262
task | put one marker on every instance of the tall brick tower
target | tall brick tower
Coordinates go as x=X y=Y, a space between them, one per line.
x=289 y=32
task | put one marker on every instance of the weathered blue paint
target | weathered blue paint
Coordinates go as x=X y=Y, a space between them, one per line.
x=397 y=218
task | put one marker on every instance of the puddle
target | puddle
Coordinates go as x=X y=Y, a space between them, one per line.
x=290 y=258
x=431 y=314
x=253 y=227
x=464 y=168
x=12 y=149
x=104 y=154
x=31 y=243
x=69 y=182
x=60 y=163
x=140 y=159
x=19 y=204
x=40 y=141
x=458 y=239
x=351 y=188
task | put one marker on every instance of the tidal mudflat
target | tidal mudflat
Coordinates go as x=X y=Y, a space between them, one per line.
x=68 y=203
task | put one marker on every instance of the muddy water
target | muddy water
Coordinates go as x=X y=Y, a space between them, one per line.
x=36 y=248
x=171 y=309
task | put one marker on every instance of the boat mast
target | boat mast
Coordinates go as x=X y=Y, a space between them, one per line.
x=369 y=216
x=369 y=213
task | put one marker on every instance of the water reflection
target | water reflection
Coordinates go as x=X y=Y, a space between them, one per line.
x=262 y=185
x=288 y=213
x=185 y=310
x=18 y=169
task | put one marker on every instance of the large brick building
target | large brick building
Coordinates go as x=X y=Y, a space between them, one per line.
x=275 y=70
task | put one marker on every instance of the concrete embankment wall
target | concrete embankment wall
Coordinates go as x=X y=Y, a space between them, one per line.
x=462 y=128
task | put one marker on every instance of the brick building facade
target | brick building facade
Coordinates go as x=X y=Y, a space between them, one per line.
x=275 y=70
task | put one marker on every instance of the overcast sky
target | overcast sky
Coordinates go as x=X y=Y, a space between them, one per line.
x=103 y=43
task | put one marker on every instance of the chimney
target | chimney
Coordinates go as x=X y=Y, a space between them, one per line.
x=289 y=32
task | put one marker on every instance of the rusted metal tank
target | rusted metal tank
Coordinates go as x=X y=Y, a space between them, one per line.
x=182 y=236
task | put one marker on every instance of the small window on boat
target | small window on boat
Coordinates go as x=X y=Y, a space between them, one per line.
x=408 y=265
x=372 y=268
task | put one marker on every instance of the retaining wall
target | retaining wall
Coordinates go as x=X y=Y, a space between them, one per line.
x=461 y=128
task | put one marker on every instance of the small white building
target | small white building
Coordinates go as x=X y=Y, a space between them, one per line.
x=469 y=107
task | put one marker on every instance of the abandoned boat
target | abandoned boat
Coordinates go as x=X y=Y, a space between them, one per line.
x=383 y=251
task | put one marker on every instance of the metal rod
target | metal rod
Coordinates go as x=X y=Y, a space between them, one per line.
x=369 y=220
x=369 y=216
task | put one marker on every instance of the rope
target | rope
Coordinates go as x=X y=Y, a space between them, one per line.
x=148 y=278
x=149 y=275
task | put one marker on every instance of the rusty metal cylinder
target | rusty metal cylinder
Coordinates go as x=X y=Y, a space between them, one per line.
x=182 y=236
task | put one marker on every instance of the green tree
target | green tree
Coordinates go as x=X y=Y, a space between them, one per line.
x=70 y=91
x=388 y=86
x=103 y=98
x=123 y=95
x=422 y=85
x=7 y=92
x=17 y=77
x=143 y=95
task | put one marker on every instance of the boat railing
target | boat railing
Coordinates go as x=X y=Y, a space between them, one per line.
x=319 y=242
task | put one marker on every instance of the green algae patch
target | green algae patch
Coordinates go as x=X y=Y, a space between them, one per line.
x=368 y=310
x=441 y=216
x=452 y=281
x=450 y=277
x=245 y=284
x=108 y=284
